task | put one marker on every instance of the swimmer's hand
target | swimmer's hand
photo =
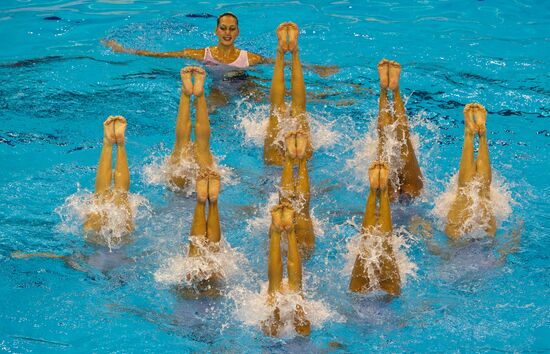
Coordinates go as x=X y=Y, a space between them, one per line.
x=114 y=45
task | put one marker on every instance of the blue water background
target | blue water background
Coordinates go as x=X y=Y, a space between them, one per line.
x=59 y=84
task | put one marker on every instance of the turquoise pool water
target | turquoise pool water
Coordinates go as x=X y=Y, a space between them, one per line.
x=59 y=84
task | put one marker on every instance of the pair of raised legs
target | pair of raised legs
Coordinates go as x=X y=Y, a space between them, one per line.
x=282 y=222
x=206 y=231
x=113 y=135
x=296 y=190
x=192 y=78
x=287 y=35
x=475 y=117
x=386 y=271
x=408 y=173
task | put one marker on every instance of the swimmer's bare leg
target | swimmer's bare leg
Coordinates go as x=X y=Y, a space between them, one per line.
x=275 y=265
x=304 y=224
x=182 y=146
x=369 y=218
x=213 y=229
x=70 y=261
x=122 y=172
x=360 y=280
x=203 y=156
x=105 y=165
x=459 y=210
x=385 y=117
x=94 y=221
x=483 y=167
x=272 y=153
x=389 y=278
x=198 y=227
x=272 y=326
x=298 y=87
x=294 y=269
x=287 y=176
x=410 y=176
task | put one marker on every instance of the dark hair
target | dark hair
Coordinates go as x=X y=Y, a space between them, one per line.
x=227 y=14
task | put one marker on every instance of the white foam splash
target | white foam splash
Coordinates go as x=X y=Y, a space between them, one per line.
x=253 y=119
x=370 y=243
x=159 y=170
x=500 y=203
x=252 y=308
x=181 y=269
x=365 y=151
x=78 y=206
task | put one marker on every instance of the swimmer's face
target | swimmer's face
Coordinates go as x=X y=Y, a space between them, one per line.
x=227 y=31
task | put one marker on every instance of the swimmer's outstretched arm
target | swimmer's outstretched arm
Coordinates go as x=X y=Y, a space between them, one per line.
x=189 y=53
x=195 y=54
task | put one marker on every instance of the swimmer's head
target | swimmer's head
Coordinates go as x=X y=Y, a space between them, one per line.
x=227 y=28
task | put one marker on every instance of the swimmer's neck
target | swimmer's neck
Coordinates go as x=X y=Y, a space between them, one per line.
x=225 y=50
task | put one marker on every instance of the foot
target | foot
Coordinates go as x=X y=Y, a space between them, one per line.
x=187 y=85
x=109 y=131
x=287 y=219
x=290 y=145
x=276 y=218
x=301 y=144
x=469 y=124
x=384 y=173
x=394 y=73
x=213 y=186
x=202 y=186
x=199 y=75
x=119 y=128
x=480 y=116
x=374 y=175
x=383 y=72
x=282 y=35
x=292 y=30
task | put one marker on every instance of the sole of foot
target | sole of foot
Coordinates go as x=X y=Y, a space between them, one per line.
x=119 y=129
x=109 y=130
x=202 y=186
x=213 y=186
x=374 y=175
x=276 y=217
x=469 y=123
x=384 y=173
x=394 y=74
x=480 y=117
x=292 y=30
x=187 y=85
x=290 y=145
x=199 y=75
x=383 y=73
x=301 y=144
x=287 y=219
x=282 y=37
